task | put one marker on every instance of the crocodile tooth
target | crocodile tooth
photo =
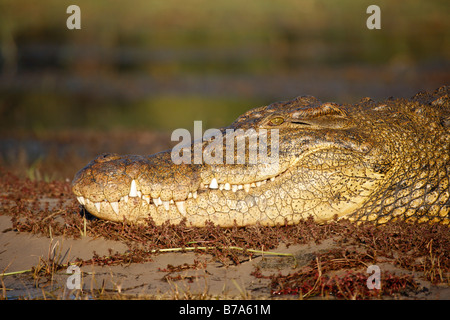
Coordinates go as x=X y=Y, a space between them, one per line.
x=214 y=184
x=240 y=186
x=247 y=187
x=81 y=200
x=258 y=184
x=253 y=184
x=156 y=201
x=272 y=179
x=227 y=186
x=146 y=197
x=171 y=201
x=181 y=207
x=190 y=195
x=139 y=194
x=115 y=206
x=133 y=190
x=97 y=205
x=194 y=195
x=234 y=188
x=166 y=205
x=125 y=198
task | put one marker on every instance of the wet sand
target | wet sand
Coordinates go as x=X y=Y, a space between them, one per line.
x=170 y=275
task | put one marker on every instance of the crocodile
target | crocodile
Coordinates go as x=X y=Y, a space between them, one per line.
x=374 y=161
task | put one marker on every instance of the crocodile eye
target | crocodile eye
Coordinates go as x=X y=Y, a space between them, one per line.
x=105 y=157
x=275 y=121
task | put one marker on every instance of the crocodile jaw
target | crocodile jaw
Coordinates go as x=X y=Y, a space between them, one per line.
x=128 y=188
x=124 y=192
x=137 y=206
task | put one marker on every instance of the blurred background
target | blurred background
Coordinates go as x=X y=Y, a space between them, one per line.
x=139 y=69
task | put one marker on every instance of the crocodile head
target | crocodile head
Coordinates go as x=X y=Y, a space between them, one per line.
x=320 y=159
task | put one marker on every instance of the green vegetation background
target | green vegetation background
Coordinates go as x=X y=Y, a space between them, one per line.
x=163 y=64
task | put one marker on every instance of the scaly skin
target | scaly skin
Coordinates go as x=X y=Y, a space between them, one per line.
x=374 y=161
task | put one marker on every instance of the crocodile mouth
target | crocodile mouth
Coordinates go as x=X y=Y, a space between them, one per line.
x=139 y=203
x=136 y=195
